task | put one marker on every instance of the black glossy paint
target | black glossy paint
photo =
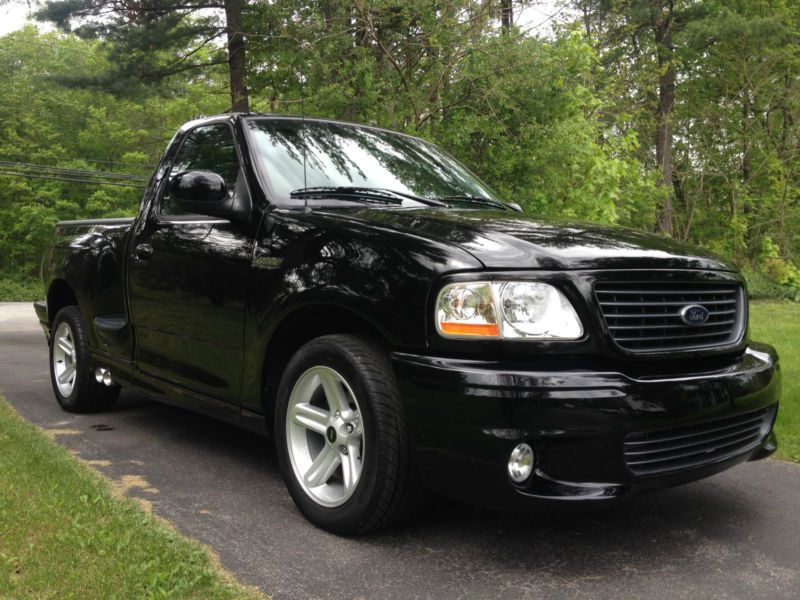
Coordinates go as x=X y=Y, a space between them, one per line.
x=202 y=312
x=575 y=419
x=189 y=325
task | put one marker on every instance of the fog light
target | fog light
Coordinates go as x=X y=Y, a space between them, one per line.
x=520 y=463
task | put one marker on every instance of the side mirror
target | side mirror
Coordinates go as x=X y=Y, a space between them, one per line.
x=201 y=192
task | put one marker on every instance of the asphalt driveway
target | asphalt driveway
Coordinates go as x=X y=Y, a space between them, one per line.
x=736 y=535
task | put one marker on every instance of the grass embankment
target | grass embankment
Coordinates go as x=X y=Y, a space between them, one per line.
x=778 y=323
x=63 y=534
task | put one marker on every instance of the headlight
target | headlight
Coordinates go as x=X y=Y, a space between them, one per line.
x=467 y=310
x=507 y=310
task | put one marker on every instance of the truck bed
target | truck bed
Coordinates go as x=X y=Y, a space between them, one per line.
x=90 y=255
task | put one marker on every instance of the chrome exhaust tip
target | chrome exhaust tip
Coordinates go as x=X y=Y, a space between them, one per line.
x=103 y=375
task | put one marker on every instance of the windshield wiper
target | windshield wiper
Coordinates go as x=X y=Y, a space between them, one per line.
x=367 y=194
x=483 y=201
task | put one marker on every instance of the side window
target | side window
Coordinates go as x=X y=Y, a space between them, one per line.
x=207 y=148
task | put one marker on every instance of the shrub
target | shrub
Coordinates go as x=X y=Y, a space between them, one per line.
x=776 y=278
x=761 y=287
x=16 y=287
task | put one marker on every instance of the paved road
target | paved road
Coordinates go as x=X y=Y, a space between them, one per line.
x=736 y=535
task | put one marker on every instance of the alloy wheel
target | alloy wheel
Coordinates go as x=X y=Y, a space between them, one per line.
x=325 y=436
x=65 y=359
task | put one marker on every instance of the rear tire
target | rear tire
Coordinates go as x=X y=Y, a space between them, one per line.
x=341 y=436
x=70 y=366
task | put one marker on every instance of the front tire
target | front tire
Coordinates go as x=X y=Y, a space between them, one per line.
x=70 y=366
x=341 y=436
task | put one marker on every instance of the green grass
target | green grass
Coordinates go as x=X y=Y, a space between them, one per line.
x=64 y=534
x=778 y=323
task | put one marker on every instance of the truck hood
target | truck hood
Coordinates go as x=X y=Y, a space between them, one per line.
x=505 y=240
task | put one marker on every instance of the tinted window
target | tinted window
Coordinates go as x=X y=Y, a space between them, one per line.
x=338 y=154
x=208 y=148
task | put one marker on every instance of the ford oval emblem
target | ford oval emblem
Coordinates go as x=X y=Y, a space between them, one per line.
x=694 y=314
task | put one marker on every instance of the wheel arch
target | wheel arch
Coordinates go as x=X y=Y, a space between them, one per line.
x=300 y=327
x=59 y=295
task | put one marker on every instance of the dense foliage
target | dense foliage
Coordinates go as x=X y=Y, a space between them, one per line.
x=44 y=123
x=680 y=117
x=733 y=181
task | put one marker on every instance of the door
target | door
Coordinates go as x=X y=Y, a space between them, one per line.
x=188 y=276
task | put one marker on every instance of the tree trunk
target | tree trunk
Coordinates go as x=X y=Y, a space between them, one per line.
x=506 y=15
x=746 y=104
x=237 y=66
x=661 y=22
x=587 y=24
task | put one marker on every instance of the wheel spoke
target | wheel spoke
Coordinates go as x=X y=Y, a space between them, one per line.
x=351 y=465
x=334 y=393
x=311 y=417
x=65 y=346
x=323 y=467
x=67 y=374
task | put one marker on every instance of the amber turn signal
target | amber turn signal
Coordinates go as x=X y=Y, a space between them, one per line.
x=477 y=329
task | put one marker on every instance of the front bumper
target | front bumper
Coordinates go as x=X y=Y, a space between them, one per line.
x=465 y=417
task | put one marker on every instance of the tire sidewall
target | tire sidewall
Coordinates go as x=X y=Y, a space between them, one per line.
x=83 y=376
x=350 y=515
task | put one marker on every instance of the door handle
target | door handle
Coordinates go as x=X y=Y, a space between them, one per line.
x=143 y=252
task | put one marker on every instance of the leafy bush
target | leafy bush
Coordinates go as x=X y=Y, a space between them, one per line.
x=16 y=287
x=761 y=287
x=777 y=268
x=776 y=278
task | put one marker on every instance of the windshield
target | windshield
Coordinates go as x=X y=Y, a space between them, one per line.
x=340 y=155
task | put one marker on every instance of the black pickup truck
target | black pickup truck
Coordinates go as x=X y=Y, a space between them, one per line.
x=363 y=299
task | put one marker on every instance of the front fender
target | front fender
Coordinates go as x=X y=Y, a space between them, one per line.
x=305 y=260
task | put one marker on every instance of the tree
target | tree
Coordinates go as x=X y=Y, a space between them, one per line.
x=739 y=114
x=519 y=111
x=662 y=19
x=151 y=40
x=45 y=123
x=726 y=144
x=679 y=116
x=506 y=15
x=637 y=38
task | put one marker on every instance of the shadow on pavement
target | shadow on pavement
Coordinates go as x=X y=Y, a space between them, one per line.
x=664 y=527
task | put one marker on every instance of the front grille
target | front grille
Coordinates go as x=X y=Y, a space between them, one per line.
x=646 y=316
x=671 y=450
